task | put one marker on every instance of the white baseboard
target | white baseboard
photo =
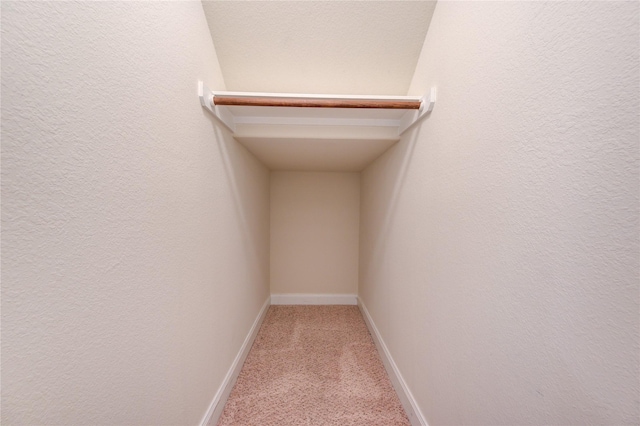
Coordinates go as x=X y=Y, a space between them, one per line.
x=217 y=405
x=404 y=394
x=314 y=299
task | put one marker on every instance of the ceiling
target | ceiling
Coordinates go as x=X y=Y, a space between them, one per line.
x=330 y=47
x=338 y=47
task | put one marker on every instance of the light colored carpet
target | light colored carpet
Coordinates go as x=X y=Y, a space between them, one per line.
x=313 y=365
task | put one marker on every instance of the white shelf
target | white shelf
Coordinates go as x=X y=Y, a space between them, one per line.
x=389 y=122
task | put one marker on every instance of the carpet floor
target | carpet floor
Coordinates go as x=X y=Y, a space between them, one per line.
x=313 y=365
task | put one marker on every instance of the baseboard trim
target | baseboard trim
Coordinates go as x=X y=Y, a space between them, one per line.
x=314 y=299
x=404 y=394
x=219 y=400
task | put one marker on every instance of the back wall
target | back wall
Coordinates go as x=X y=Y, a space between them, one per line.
x=314 y=232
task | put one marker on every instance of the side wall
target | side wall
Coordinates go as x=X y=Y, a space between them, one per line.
x=134 y=229
x=499 y=238
x=314 y=232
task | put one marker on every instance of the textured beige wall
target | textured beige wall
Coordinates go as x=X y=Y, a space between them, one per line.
x=500 y=254
x=134 y=229
x=314 y=232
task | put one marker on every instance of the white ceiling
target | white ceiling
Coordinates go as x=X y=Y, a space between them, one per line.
x=337 y=47
x=325 y=47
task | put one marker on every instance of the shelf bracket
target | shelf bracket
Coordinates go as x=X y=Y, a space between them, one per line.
x=412 y=117
x=221 y=113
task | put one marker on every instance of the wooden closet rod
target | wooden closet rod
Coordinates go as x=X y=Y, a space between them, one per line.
x=313 y=103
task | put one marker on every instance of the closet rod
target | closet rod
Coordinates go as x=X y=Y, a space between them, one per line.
x=314 y=103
